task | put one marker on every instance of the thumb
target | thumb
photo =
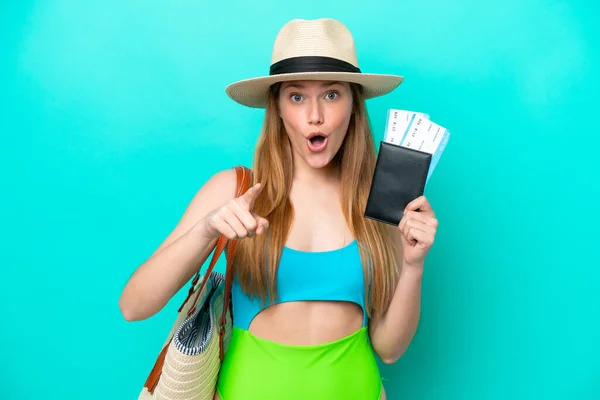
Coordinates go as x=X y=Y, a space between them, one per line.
x=262 y=224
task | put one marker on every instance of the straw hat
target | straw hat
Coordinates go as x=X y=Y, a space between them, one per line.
x=321 y=49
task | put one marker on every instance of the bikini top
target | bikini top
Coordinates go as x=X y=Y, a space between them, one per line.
x=324 y=275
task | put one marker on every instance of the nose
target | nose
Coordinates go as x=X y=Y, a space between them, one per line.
x=315 y=113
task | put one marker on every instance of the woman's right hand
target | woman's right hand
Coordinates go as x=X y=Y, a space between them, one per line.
x=235 y=219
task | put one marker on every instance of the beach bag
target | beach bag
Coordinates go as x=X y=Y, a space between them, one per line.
x=188 y=366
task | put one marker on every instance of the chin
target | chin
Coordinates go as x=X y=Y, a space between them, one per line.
x=318 y=161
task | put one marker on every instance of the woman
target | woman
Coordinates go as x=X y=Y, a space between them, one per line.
x=319 y=289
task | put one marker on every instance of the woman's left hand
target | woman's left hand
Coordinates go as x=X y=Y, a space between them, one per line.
x=418 y=231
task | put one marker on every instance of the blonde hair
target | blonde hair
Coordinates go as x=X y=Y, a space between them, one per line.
x=273 y=167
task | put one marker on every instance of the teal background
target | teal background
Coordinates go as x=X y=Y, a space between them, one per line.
x=114 y=114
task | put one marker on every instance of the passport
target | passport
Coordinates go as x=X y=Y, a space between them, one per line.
x=399 y=178
x=407 y=157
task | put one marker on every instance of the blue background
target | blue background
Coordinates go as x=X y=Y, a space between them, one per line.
x=114 y=114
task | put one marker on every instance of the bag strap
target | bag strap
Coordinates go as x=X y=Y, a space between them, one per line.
x=244 y=180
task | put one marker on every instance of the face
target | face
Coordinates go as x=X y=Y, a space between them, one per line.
x=316 y=115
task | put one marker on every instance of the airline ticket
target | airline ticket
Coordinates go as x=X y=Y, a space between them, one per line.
x=416 y=131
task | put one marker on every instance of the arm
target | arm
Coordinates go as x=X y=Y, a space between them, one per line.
x=177 y=259
x=413 y=237
x=392 y=334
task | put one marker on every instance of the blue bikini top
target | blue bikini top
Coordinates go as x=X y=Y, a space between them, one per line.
x=324 y=275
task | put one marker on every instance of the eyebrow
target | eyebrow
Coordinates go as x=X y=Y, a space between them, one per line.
x=325 y=84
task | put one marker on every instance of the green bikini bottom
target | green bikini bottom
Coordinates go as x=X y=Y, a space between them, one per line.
x=255 y=368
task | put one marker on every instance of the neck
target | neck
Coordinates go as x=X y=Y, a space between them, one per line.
x=316 y=176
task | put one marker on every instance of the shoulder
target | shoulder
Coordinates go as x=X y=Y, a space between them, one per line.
x=221 y=186
x=222 y=183
x=217 y=190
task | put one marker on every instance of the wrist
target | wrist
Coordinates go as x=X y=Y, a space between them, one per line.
x=201 y=231
x=413 y=269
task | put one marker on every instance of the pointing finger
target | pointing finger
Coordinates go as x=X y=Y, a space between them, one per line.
x=248 y=198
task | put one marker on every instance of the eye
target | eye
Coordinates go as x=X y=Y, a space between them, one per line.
x=332 y=95
x=296 y=97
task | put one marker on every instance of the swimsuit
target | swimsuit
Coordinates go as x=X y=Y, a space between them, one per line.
x=255 y=368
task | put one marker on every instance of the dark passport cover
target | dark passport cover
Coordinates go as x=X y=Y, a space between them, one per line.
x=399 y=178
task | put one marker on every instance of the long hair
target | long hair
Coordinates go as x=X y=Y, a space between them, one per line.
x=256 y=259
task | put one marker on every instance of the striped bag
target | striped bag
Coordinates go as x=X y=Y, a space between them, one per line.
x=189 y=363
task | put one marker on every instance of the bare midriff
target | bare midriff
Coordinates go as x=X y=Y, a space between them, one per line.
x=307 y=322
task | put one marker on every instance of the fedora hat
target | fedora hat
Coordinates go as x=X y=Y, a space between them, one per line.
x=321 y=49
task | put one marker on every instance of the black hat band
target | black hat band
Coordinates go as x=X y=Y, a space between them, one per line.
x=311 y=64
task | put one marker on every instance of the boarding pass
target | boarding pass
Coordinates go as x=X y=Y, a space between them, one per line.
x=416 y=131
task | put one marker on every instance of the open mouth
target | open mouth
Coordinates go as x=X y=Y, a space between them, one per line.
x=317 y=140
x=317 y=143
